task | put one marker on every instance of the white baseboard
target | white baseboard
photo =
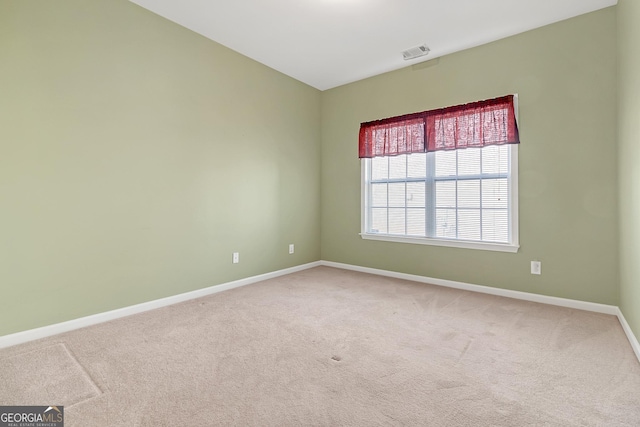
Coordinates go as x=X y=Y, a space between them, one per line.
x=58 y=328
x=635 y=345
x=562 y=302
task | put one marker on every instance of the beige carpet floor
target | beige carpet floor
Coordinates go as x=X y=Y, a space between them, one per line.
x=327 y=347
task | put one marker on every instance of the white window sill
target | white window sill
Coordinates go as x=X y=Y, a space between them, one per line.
x=465 y=244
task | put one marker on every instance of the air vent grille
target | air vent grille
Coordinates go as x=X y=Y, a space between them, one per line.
x=415 y=52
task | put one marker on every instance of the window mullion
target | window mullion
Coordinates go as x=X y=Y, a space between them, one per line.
x=387 y=204
x=368 y=196
x=406 y=174
x=456 y=198
x=481 y=211
x=430 y=196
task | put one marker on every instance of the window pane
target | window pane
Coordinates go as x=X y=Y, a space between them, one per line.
x=379 y=168
x=469 y=194
x=378 y=221
x=397 y=195
x=495 y=193
x=505 y=158
x=445 y=194
x=379 y=195
x=396 y=221
x=495 y=225
x=469 y=161
x=446 y=223
x=445 y=163
x=495 y=159
x=398 y=166
x=416 y=222
x=417 y=165
x=415 y=194
x=469 y=224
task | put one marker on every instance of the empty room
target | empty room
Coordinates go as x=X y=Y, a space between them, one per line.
x=319 y=213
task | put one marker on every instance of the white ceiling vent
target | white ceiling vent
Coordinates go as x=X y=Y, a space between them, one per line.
x=415 y=52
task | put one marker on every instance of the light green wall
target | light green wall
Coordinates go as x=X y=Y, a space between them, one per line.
x=629 y=159
x=565 y=75
x=136 y=156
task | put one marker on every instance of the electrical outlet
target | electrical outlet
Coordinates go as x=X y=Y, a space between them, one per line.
x=236 y=257
x=536 y=267
x=291 y=249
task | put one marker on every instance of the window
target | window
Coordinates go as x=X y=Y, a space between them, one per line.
x=465 y=198
x=444 y=177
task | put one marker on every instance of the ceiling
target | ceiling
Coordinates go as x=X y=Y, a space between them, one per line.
x=328 y=43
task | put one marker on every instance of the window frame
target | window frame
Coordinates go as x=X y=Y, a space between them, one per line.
x=511 y=247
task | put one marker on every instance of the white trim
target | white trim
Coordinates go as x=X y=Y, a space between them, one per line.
x=635 y=345
x=465 y=244
x=58 y=328
x=543 y=299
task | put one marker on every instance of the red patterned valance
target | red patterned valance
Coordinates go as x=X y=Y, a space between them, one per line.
x=490 y=122
x=393 y=136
